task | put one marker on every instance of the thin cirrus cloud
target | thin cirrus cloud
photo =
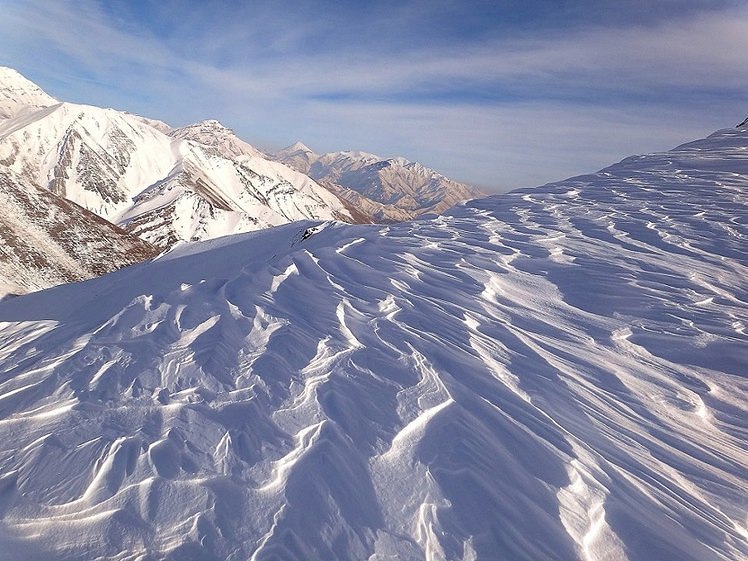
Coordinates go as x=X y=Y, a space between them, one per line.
x=501 y=94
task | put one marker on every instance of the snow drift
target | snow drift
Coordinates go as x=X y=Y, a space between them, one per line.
x=551 y=374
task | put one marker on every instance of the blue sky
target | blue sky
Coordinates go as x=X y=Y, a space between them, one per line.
x=501 y=94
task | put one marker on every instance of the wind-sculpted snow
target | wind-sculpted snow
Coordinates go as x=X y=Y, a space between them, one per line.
x=552 y=374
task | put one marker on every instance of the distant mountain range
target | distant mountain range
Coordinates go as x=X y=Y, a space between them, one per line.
x=170 y=186
x=390 y=189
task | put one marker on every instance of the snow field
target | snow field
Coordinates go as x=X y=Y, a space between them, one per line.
x=556 y=373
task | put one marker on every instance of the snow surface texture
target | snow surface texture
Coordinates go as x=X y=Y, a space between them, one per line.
x=391 y=189
x=551 y=374
x=167 y=186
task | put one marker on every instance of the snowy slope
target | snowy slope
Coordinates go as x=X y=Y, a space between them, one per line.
x=97 y=158
x=217 y=139
x=46 y=240
x=18 y=94
x=389 y=189
x=165 y=185
x=551 y=374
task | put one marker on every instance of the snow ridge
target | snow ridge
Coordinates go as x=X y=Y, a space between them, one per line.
x=551 y=374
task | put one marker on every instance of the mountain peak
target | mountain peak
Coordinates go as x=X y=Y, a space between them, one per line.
x=298 y=156
x=297 y=146
x=209 y=132
x=399 y=161
x=215 y=123
x=17 y=92
x=8 y=75
x=211 y=125
x=219 y=139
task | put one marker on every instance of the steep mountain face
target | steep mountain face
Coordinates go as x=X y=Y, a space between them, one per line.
x=551 y=374
x=19 y=94
x=46 y=240
x=221 y=185
x=391 y=189
x=165 y=185
x=97 y=158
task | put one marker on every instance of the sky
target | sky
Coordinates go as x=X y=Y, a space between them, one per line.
x=500 y=94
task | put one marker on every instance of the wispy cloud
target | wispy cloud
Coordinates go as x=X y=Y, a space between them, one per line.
x=482 y=100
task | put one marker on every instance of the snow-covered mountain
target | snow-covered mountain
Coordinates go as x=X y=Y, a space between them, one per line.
x=389 y=189
x=46 y=240
x=18 y=94
x=550 y=374
x=166 y=186
x=221 y=185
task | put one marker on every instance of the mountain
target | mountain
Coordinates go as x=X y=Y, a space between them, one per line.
x=556 y=374
x=201 y=181
x=218 y=140
x=18 y=94
x=297 y=156
x=389 y=189
x=46 y=240
x=165 y=185
x=221 y=185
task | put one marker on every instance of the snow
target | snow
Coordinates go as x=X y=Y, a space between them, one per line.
x=97 y=158
x=551 y=374
x=17 y=94
x=46 y=240
x=172 y=186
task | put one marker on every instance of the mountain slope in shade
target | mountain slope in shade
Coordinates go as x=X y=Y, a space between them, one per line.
x=372 y=210
x=395 y=187
x=165 y=185
x=18 y=94
x=552 y=374
x=46 y=240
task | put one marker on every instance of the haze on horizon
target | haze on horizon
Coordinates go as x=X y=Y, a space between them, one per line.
x=499 y=94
